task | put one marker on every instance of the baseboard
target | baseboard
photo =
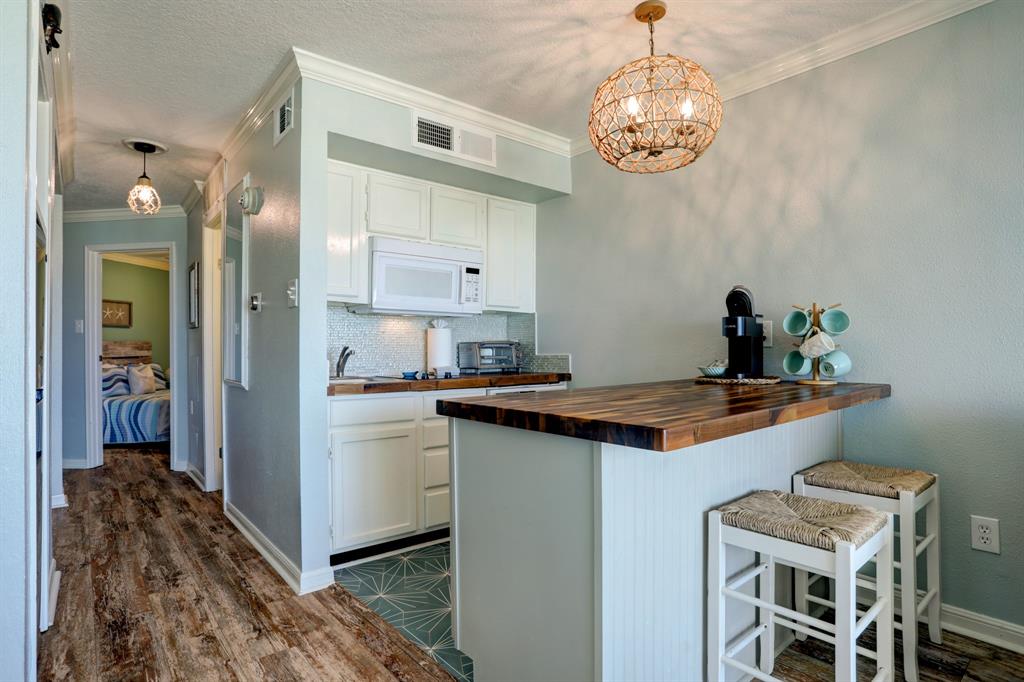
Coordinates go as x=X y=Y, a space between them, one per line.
x=196 y=475
x=301 y=583
x=75 y=464
x=58 y=501
x=54 y=592
x=984 y=628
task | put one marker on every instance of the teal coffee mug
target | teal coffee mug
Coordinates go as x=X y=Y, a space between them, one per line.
x=795 y=363
x=836 y=364
x=796 y=323
x=835 y=321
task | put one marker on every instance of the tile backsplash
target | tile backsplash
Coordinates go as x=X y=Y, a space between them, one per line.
x=391 y=344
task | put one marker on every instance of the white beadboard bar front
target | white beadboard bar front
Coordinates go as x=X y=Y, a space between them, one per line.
x=576 y=560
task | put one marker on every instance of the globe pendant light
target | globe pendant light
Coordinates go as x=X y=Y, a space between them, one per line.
x=656 y=113
x=143 y=197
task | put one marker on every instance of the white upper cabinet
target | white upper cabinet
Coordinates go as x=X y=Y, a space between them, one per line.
x=399 y=207
x=510 y=263
x=457 y=217
x=347 y=259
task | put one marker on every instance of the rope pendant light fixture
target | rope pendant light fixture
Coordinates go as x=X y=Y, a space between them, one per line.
x=656 y=113
x=143 y=197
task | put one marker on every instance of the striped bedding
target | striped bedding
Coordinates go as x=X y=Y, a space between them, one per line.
x=142 y=418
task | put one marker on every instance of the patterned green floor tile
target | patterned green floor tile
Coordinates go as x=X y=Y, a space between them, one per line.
x=412 y=591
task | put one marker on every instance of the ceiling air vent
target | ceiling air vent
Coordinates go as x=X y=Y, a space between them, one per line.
x=453 y=138
x=283 y=117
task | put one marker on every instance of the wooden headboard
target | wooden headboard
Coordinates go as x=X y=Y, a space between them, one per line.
x=127 y=352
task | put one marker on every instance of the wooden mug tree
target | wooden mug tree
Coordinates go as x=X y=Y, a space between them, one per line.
x=816 y=379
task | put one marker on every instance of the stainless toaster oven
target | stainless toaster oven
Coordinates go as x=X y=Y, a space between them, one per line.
x=478 y=357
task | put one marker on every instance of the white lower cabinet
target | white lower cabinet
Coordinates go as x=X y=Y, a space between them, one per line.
x=389 y=465
x=374 y=483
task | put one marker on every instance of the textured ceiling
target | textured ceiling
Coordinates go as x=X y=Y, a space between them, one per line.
x=183 y=72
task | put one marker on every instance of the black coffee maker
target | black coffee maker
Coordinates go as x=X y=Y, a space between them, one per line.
x=746 y=335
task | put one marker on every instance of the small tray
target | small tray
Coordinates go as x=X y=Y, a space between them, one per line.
x=763 y=381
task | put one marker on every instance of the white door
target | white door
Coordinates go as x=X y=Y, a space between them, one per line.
x=373 y=484
x=347 y=266
x=510 y=256
x=457 y=217
x=398 y=206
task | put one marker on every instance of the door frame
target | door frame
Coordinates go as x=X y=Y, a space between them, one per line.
x=94 y=347
x=211 y=323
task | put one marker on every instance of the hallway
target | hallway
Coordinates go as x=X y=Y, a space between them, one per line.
x=158 y=584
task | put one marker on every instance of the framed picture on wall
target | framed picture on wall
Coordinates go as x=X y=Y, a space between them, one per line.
x=193 y=295
x=117 y=313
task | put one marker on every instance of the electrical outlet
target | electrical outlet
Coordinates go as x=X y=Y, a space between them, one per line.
x=985 y=534
x=767 y=324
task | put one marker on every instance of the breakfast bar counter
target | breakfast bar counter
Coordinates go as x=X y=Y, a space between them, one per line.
x=578 y=517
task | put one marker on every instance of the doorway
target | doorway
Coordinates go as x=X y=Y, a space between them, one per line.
x=130 y=323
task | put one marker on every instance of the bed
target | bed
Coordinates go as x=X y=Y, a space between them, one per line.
x=133 y=417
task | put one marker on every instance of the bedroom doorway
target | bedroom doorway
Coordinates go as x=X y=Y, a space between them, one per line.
x=131 y=300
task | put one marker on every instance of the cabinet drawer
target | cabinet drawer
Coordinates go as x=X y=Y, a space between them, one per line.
x=435 y=433
x=372 y=410
x=430 y=399
x=437 y=509
x=435 y=467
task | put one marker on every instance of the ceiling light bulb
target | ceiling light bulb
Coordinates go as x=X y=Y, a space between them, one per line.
x=688 y=108
x=632 y=106
x=143 y=198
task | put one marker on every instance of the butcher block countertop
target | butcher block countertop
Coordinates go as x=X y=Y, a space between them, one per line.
x=469 y=381
x=661 y=416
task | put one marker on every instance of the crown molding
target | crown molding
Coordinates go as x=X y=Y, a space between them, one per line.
x=141 y=261
x=193 y=196
x=285 y=77
x=349 y=77
x=110 y=214
x=889 y=26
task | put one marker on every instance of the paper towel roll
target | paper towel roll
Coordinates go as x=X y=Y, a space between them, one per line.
x=439 y=348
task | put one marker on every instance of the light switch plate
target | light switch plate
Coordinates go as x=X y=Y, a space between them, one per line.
x=768 y=333
x=292 y=292
x=79 y=326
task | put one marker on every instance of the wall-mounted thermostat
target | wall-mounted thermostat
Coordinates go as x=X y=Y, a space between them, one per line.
x=256 y=302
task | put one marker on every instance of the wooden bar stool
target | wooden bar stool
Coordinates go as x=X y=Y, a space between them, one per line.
x=828 y=538
x=902 y=492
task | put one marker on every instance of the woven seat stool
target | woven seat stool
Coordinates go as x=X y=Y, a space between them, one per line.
x=827 y=538
x=903 y=493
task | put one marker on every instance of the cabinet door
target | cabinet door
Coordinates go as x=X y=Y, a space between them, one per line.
x=398 y=206
x=347 y=266
x=457 y=217
x=374 y=489
x=511 y=260
x=437 y=509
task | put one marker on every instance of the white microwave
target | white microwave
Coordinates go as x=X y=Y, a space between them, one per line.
x=414 y=278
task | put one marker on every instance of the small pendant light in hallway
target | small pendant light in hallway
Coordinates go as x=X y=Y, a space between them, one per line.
x=143 y=197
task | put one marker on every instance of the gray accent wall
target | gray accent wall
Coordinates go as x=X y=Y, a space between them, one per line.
x=132 y=231
x=261 y=440
x=192 y=373
x=889 y=181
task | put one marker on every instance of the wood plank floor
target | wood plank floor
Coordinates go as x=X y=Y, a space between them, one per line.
x=957 y=659
x=158 y=585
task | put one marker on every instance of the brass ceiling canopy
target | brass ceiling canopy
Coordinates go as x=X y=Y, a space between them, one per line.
x=656 y=113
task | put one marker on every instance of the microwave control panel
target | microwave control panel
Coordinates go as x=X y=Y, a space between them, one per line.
x=471 y=285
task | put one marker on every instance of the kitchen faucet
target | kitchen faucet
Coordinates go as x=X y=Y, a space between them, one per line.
x=343 y=359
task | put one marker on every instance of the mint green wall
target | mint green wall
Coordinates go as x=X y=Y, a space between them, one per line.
x=890 y=181
x=147 y=289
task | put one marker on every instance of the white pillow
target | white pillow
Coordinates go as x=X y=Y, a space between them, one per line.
x=141 y=379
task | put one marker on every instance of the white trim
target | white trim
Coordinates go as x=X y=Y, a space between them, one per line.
x=58 y=501
x=349 y=77
x=103 y=215
x=193 y=197
x=141 y=261
x=93 y=346
x=52 y=592
x=76 y=464
x=889 y=26
x=994 y=631
x=301 y=583
x=55 y=253
x=211 y=321
x=286 y=77
x=196 y=475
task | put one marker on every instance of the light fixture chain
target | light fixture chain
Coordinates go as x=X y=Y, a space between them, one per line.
x=650 y=27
